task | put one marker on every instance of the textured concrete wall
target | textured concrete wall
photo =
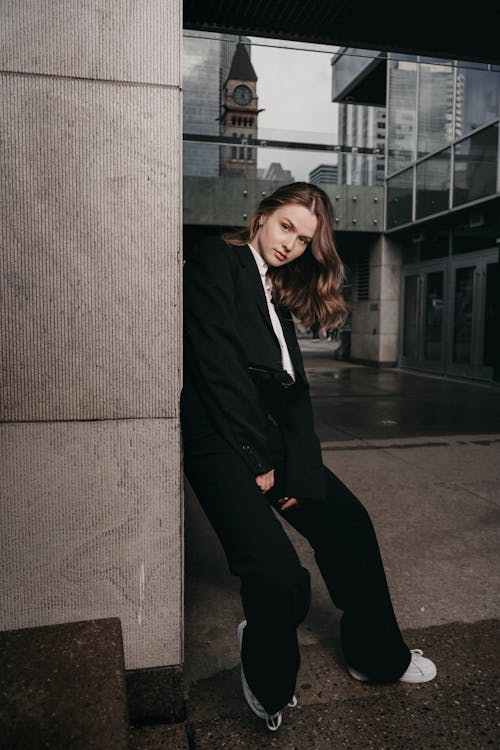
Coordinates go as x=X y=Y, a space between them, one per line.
x=90 y=231
x=375 y=322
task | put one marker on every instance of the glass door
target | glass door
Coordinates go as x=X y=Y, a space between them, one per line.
x=423 y=320
x=473 y=316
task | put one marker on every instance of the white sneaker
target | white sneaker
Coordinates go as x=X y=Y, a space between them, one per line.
x=420 y=669
x=273 y=721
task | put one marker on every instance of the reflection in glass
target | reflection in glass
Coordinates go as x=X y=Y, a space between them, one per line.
x=206 y=59
x=475 y=169
x=462 y=317
x=478 y=98
x=433 y=316
x=402 y=114
x=433 y=184
x=347 y=67
x=491 y=341
x=410 y=318
x=435 y=108
x=435 y=242
x=478 y=231
x=399 y=199
x=361 y=126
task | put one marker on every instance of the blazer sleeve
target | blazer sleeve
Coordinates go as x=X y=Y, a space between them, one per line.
x=214 y=355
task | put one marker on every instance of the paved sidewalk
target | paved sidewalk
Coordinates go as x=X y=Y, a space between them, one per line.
x=423 y=455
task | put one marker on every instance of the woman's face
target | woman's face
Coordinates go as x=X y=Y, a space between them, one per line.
x=283 y=236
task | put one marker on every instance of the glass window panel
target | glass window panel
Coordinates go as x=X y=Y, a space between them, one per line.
x=346 y=66
x=479 y=230
x=478 y=98
x=435 y=243
x=462 y=319
x=475 y=169
x=435 y=107
x=360 y=125
x=402 y=114
x=433 y=315
x=399 y=199
x=202 y=60
x=433 y=184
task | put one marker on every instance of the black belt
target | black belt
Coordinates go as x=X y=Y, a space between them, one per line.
x=270 y=374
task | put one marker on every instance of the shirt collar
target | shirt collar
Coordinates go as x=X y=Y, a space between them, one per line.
x=261 y=263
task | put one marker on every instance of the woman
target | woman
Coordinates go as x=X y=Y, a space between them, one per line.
x=250 y=449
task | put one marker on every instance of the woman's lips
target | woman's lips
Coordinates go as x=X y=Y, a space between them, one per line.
x=280 y=256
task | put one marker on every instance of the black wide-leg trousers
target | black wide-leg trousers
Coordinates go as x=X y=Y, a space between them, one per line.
x=275 y=587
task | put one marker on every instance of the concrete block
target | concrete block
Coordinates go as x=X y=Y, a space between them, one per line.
x=364 y=346
x=375 y=288
x=90 y=273
x=392 y=252
x=64 y=686
x=389 y=317
x=91 y=527
x=377 y=252
x=101 y=39
x=390 y=281
x=364 y=320
x=388 y=347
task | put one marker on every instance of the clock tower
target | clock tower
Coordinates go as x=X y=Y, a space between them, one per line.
x=239 y=112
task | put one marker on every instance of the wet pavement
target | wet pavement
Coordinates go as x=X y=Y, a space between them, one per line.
x=423 y=455
x=371 y=403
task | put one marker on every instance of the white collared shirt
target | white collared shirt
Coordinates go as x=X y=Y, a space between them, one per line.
x=278 y=330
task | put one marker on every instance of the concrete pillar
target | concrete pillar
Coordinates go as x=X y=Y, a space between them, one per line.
x=90 y=201
x=375 y=322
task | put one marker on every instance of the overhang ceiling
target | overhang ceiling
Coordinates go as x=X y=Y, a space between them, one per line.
x=437 y=29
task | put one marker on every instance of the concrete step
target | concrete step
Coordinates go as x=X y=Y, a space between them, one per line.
x=63 y=686
x=459 y=709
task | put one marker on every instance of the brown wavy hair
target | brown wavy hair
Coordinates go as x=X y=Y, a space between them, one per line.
x=310 y=286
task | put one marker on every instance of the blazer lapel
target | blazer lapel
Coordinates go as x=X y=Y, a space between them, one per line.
x=288 y=327
x=255 y=281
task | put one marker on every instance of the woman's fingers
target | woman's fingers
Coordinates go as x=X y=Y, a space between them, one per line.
x=288 y=502
x=265 y=481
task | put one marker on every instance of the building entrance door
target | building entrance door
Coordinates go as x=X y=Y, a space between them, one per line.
x=451 y=317
x=474 y=300
x=423 y=321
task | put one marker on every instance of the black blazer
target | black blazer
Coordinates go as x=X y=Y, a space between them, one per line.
x=227 y=330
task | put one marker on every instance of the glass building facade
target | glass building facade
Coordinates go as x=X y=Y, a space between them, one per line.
x=442 y=207
x=443 y=130
x=206 y=60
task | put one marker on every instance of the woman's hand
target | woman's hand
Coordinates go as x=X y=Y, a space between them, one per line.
x=265 y=481
x=287 y=502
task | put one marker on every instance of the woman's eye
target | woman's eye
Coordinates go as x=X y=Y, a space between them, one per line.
x=285 y=226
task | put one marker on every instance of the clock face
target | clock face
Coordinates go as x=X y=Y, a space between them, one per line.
x=242 y=94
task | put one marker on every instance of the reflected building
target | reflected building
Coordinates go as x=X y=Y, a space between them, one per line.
x=275 y=173
x=324 y=174
x=361 y=125
x=206 y=59
x=238 y=116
